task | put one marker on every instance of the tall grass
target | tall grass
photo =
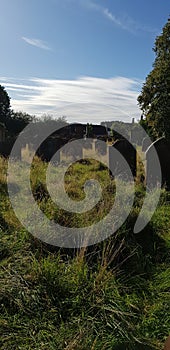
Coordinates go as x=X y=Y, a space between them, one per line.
x=113 y=295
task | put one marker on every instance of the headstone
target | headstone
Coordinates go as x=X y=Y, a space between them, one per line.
x=49 y=147
x=99 y=131
x=101 y=147
x=146 y=143
x=88 y=148
x=87 y=143
x=162 y=147
x=137 y=135
x=128 y=152
x=72 y=151
x=76 y=130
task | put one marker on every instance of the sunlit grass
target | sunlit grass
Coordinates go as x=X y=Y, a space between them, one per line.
x=113 y=295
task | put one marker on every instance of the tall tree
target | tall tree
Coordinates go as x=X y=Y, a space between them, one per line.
x=4 y=105
x=14 y=122
x=154 y=99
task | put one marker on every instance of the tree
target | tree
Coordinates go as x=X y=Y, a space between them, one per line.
x=58 y=122
x=4 y=105
x=89 y=130
x=17 y=122
x=154 y=99
x=14 y=122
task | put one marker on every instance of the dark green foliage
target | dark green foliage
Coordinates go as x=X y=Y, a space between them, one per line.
x=4 y=104
x=14 y=122
x=17 y=122
x=89 y=130
x=154 y=99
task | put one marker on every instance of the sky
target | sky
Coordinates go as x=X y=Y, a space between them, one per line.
x=83 y=59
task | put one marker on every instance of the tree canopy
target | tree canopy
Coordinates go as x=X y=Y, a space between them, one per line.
x=154 y=99
x=14 y=122
x=17 y=122
x=4 y=105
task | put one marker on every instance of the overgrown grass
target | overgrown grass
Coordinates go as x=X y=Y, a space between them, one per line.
x=113 y=295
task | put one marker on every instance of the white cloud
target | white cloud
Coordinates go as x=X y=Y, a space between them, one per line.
x=124 y=21
x=36 y=42
x=114 y=19
x=86 y=99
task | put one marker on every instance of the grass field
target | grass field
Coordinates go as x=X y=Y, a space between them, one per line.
x=112 y=295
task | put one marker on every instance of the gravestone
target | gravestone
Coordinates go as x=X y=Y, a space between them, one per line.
x=88 y=144
x=162 y=147
x=101 y=147
x=49 y=147
x=137 y=135
x=76 y=130
x=128 y=152
x=146 y=143
x=72 y=151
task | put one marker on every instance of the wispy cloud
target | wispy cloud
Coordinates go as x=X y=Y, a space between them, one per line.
x=86 y=99
x=113 y=18
x=124 y=22
x=36 y=42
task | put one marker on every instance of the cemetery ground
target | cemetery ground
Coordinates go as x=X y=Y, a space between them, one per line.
x=113 y=295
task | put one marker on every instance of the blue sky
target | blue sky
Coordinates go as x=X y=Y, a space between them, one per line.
x=86 y=59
